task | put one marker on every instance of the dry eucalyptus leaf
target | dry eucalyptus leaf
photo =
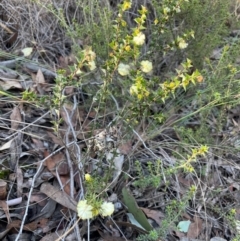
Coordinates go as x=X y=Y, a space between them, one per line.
x=9 y=84
x=52 y=236
x=59 y=196
x=40 y=77
x=4 y=206
x=156 y=215
x=125 y=148
x=195 y=228
x=16 y=118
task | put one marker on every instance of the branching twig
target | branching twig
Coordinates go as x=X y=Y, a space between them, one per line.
x=32 y=187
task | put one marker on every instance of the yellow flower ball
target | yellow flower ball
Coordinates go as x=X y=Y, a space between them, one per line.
x=106 y=209
x=139 y=39
x=84 y=210
x=133 y=90
x=126 y=5
x=88 y=177
x=91 y=65
x=146 y=66
x=89 y=54
x=182 y=44
x=124 y=69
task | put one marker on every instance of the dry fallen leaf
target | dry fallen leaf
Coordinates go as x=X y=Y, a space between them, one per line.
x=15 y=150
x=58 y=166
x=6 y=145
x=40 y=85
x=15 y=117
x=4 y=206
x=59 y=196
x=55 y=139
x=40 y=77
x=48 y=210
x=39 y=198
x=10 y=84
x=157 y=216
x=55 y=161
x=195 y=228
x=52 y=236
x=107 y=237
x=66 y=184
x=125 y=148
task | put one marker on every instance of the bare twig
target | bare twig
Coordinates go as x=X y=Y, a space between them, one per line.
x=32 y=187
x=6 y=28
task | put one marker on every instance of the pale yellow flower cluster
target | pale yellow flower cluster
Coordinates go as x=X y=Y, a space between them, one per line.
x=90 y=56
x=177 y=9
x=107 y=209
x=166 y=10
x=124 y=69
x=182 y=44
x=85 y=211
x=133 y=90
x=88 y=177
x=126 y=5
x=92 y=65
x=146 y=66
x=139 y=39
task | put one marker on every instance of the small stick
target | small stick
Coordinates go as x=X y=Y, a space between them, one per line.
x=6 y=28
